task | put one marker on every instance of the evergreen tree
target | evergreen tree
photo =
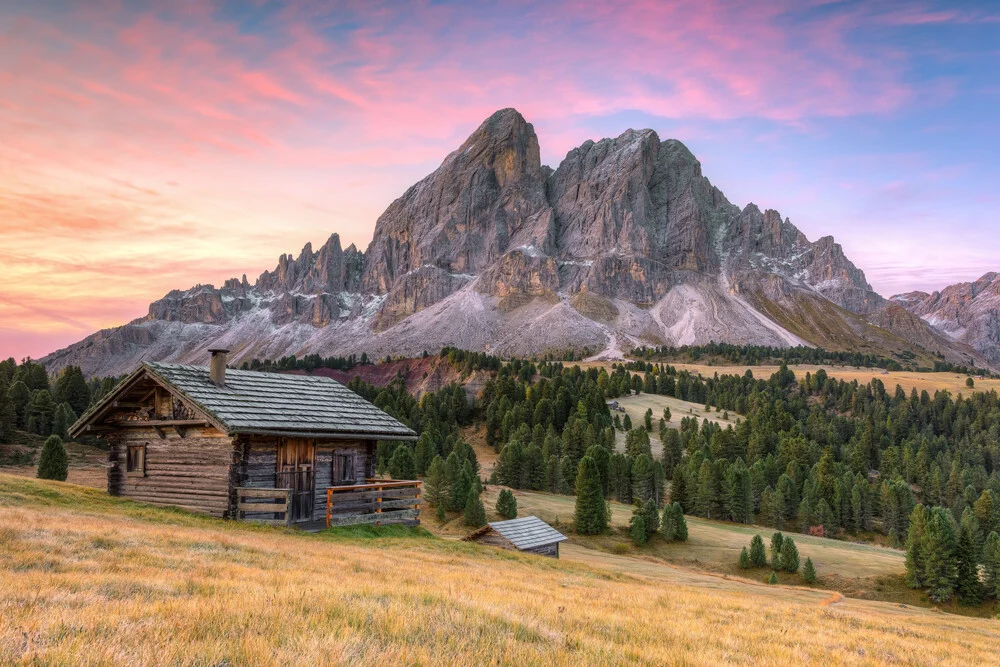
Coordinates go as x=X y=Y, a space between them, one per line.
x=758 y=554
x=627 y=423
x=914 y=548
x=809 y=572
x=939 y=552
x=668 y=524
x=19 y=398
x=777 y=541
x=401 y=463
x=744 y=561
x=459 y=483
x=680 y=524
x=651 y=517
x=63 y=419
x=968 y=586
x=507 y=504
x=773 y=579
x=52 y=463
x=437 y=490
x=40 y=412
x=648 y=419
x=643 y=482
x=474 y=513
x=440 y=514
x=591 y=513
x=71 y=387
x=789 y=556
x=424 y=452
x=991 y=565
x=637 y=531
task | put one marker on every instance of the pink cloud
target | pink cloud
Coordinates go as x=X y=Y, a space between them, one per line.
x=322 y=111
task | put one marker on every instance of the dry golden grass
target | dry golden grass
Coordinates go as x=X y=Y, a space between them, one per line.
x=93 y=580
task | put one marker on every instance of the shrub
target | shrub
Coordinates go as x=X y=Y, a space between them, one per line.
x=744 y=559
x=773 y=579
x=52 y=464
x=507 y=504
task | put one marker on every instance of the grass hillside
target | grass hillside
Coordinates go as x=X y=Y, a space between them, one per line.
x=90 y=579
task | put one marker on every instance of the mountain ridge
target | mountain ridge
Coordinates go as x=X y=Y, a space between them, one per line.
x=625 y=243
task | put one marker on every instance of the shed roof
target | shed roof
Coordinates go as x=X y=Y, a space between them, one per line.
x=255 y=402
x=527 y=532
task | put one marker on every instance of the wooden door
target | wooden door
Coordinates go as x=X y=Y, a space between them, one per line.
x=297 y=471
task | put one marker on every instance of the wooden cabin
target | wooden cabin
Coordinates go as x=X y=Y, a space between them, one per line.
x=529 y=534
x=244 y=445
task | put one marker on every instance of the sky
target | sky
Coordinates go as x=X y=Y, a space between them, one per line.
x=150 y=146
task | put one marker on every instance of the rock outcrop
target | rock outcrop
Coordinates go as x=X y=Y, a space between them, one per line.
x=965 y=312
x=626 y=243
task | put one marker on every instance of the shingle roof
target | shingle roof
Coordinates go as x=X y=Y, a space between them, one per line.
x=527 y=532
x=275 y=402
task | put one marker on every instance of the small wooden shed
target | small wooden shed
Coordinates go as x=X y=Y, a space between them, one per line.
x=529 y=534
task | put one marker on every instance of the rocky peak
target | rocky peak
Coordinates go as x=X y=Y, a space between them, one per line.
x=485 y=198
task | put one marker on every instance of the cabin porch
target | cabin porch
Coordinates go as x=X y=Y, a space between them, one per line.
x=374 y=502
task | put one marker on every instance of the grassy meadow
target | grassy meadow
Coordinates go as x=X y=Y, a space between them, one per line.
x=90 y=579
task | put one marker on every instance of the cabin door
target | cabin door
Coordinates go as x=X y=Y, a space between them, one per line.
x=297 y=471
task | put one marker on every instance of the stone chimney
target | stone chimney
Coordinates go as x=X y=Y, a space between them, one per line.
x=217 y=370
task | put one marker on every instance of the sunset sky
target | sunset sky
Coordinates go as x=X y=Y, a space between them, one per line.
x=152 y=146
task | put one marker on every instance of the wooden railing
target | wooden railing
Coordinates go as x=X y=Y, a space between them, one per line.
x=376 y=502
x=281 y=503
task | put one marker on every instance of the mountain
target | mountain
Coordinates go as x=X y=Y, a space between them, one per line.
x=626 y=243
x=965 y=312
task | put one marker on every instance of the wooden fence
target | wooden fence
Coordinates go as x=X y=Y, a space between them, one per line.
x=254 y=502
x=376 y=502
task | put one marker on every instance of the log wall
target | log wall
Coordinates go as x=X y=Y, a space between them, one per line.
x=193 y=472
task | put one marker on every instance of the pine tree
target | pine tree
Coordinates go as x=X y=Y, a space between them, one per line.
x=744 y=561
x=40 y=412
x=591 y=513
x=991 y=565
x=436 y=487
x=637 y=531
x=52 y=463
x=401 y=464
x=789 y=556
x=458 y=483
x=773 y=579
x=914 y=547
x=939 y=551
x=668 y=524
x=680 y=523
x=507 y=504
x=71 y=387
x=967 y=586
x=777 y=541
x=474 y=513
x=758 y=554
x=809 y=572
x=643 y=483
x=651 y=516
x=63 y=419
x=19 y=398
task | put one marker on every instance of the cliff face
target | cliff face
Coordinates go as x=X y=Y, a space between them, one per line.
x=625 y=243
x=965 y=312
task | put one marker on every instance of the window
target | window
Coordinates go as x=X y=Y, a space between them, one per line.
x=135 y=461
x=343 y=468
